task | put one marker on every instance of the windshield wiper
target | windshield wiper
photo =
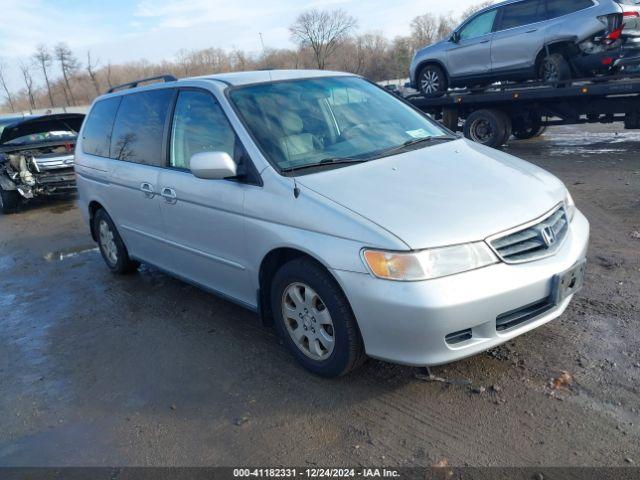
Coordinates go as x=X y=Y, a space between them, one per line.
x=411 y=143
x=328 y=162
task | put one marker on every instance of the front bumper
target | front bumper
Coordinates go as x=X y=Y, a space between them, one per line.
x=407 y=323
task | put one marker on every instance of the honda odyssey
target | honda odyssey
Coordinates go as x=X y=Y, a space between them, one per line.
x=342 y=215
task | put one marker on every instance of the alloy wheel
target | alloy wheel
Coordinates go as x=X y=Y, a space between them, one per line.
x=108 y=243
x=430 y=81
x=308 y=321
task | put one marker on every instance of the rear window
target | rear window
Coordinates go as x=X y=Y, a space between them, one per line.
x=139 y=128
x=522 y=13
x=557 y=8
x=96 y=136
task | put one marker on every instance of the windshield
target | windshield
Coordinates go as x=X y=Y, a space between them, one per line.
x=308 y=122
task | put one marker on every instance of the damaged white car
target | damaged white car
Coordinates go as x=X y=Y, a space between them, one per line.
x=36 y=158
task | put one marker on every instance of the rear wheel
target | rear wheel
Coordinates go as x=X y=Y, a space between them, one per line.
x=112 y=247
x=315 y=320
x=554 y=69
x=432 y=81
x=530 y=129
x=10 y=200
x=488 y=127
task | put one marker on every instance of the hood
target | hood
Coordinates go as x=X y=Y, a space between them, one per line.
x=451 y=193
x=43 y=124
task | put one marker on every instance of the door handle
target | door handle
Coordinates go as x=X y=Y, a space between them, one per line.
x=148 y=190
x=532 y=31
x=485 y=41
x=169 y=195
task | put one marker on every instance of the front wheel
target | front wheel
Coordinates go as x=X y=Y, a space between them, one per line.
x=315 y=320
x=432 y=81
x=10 y=201
x=488 y=127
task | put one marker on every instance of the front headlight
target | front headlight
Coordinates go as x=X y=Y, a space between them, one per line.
x=429 y=264
x=570 y=206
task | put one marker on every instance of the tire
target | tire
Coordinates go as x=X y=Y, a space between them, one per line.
x=112 y=247
x=554 y=69
x=527 y=130
x=508 y=129
x=432 y=81
x=10 y=201
x=320 y=318
x=488 y=127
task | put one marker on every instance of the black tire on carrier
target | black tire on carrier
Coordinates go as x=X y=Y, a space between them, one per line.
x=488 y=127
x=315 y=320
x=10 y=201
x=525 y=131
x=432 y=81
x=112 y=248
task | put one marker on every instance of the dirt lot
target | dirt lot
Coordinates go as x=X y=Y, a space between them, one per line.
x=146 y=370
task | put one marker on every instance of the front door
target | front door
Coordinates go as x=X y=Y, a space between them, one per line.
x=470 y=55
x=203 y=219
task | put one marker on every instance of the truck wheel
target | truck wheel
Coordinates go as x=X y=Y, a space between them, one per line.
x=488 y=127
x=112 y=247
x=529 y=132
x=555 y=68
x=432 y=81
x=315 y=320
x=10 y=201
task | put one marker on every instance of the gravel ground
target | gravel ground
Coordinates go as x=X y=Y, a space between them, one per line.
x=146 y=370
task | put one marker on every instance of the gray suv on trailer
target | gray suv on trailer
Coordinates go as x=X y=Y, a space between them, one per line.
x=551 y=40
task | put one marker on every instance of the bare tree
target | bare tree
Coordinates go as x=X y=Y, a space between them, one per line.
x=322 y=31
x=5 y=87
x=91 y=70
x=424 y=30
x=25 y=69
x=476 y=8
x=69 y=66
x=43 y=58
x=109 y=75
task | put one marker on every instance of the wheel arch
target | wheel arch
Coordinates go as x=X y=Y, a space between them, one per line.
x=93 y=208
x=270 y=264
x=431 y=61
x=563 y=46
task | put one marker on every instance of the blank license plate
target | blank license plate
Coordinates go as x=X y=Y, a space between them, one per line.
x=569 y=282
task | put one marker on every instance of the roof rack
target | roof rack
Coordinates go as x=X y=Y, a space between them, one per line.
x=164 y=78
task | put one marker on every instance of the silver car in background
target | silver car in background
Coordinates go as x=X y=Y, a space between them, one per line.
x=550 y=40
x=338 y=212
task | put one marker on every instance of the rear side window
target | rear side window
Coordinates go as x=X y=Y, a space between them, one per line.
x=558 y=8
x=96 y=136
x=522 y=13
x=139 y=128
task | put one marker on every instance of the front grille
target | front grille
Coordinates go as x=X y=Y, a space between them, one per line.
x=53 y=162
x=522 y=315
x=535 y=241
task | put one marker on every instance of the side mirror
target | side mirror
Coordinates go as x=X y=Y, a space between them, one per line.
x=455 y=37
x=213 y=165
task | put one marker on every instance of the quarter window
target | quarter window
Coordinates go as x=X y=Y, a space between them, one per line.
x=199 y=125
x=481 y=25
x=522 y=13
x=96 y=136
x=139 y=128
x=558 y=8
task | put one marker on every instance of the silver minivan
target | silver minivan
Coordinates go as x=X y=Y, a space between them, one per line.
x=342 y=215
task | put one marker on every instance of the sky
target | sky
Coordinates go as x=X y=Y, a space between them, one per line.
x=122 y=30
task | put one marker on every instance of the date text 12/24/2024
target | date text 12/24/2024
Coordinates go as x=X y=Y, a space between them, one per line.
x=315 y=473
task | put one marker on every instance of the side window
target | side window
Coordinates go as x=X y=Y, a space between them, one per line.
x=481 y=25
x=522 y=13
x=96 y=136
x=138 y=131
x=558 y=8
x=199 y=125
